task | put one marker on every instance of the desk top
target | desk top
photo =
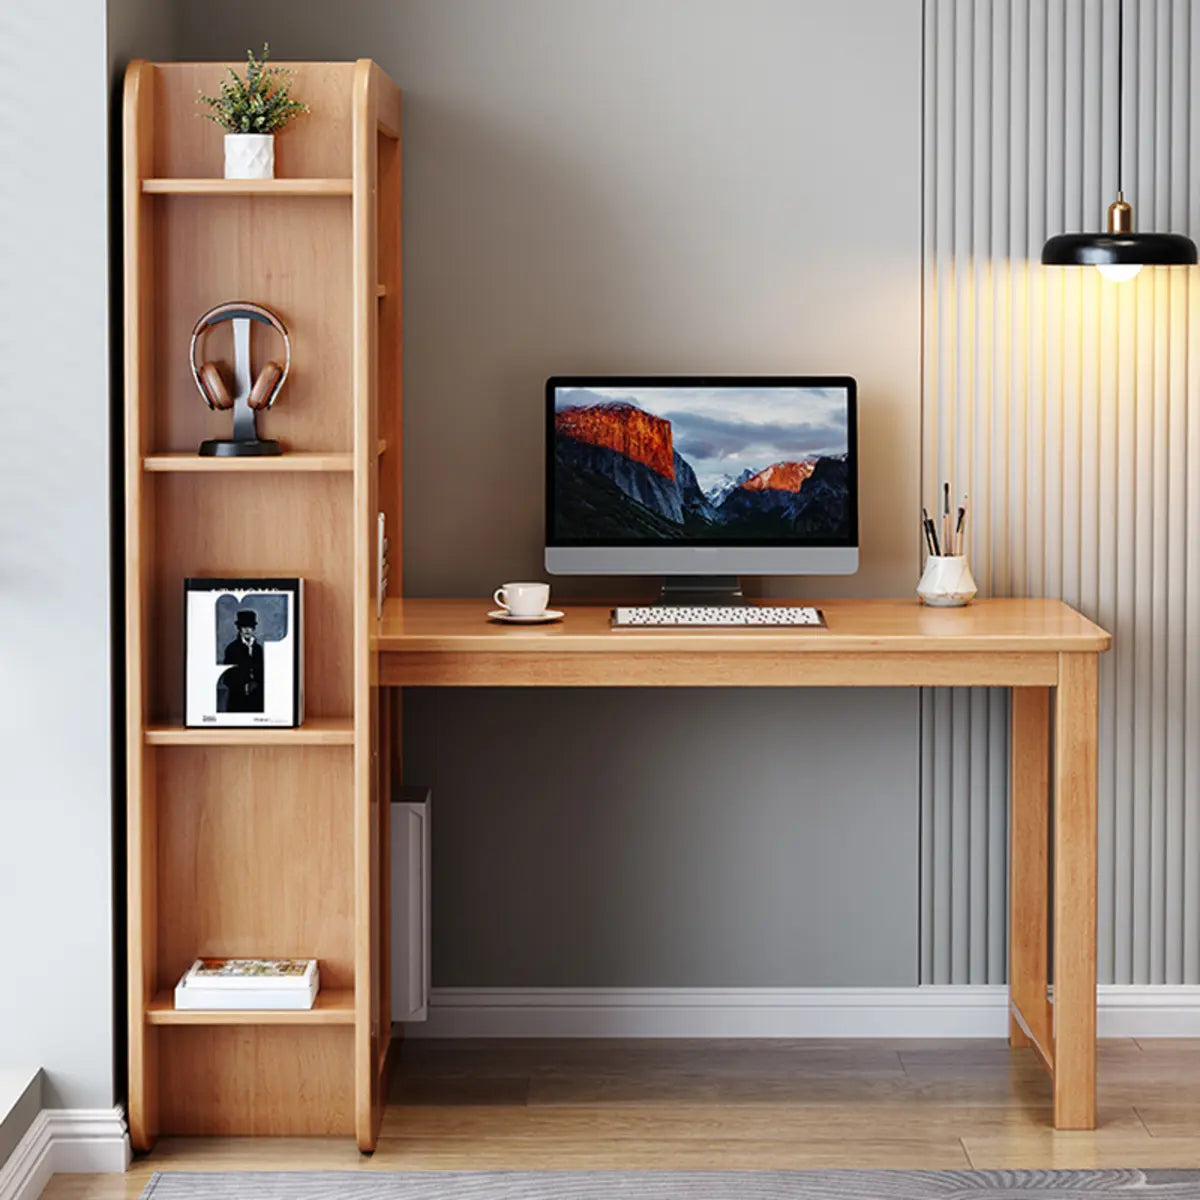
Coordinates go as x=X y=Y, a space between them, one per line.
x=1000 y=626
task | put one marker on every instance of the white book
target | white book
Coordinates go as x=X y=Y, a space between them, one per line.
x=249 y=983
x=227 y=1000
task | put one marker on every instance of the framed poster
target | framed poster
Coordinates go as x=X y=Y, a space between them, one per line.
x=243 y=653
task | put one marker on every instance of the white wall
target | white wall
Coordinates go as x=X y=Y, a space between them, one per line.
x=55 y=789
x=56 y=793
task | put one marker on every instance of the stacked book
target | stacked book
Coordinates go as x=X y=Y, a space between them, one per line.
x=249 y=983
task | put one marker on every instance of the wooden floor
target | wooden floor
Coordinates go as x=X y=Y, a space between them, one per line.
x=730 y=1105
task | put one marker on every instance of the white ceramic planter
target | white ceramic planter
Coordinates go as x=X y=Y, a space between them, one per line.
x=249 y=156
x=947 y=581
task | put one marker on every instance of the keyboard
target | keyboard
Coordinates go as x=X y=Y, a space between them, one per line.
x=726 y=616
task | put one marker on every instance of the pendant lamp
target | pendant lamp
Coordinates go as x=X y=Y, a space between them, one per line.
x=1119 y=253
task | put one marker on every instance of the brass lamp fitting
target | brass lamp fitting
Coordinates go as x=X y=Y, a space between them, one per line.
x=1120 y=215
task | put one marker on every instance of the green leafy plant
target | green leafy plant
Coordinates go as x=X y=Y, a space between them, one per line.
x=259 y=103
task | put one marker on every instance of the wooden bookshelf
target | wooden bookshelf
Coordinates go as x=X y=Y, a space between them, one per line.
x=261 y=841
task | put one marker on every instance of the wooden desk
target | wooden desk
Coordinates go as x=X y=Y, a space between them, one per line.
x=1039 y=648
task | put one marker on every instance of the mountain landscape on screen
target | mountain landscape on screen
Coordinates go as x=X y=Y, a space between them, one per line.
x=622 y=472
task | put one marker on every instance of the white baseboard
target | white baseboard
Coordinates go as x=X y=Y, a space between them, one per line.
x=930 y=1011
x=65 y=1141
x=1162 y=1010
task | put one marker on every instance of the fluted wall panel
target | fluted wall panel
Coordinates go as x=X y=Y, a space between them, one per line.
x=1065 y=405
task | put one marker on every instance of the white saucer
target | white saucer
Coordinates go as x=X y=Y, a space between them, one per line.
x=542 y=618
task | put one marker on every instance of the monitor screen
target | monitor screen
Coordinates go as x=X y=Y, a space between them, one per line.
x=685 y=462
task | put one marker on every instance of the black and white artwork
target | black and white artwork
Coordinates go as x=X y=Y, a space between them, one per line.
x=243 y=653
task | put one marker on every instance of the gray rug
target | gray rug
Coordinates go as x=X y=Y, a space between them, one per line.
x=672 y=1185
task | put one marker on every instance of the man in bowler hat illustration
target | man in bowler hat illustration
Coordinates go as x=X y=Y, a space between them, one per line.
x=240 y=689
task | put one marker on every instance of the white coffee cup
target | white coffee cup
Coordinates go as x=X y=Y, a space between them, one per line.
x=523 y=599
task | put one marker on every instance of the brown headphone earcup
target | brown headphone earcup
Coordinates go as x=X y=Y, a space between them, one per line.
x=213 y=383
x=265 y=384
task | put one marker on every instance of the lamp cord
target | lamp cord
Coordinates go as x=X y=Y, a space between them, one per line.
x=1120 y=99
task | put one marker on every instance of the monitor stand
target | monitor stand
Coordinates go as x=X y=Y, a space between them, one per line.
x=701 y=590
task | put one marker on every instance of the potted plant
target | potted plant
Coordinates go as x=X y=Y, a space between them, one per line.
x=251 y=111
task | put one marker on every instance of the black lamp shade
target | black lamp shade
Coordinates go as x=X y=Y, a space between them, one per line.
x=1119 y=249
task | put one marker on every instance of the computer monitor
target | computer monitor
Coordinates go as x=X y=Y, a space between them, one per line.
x=701 y=477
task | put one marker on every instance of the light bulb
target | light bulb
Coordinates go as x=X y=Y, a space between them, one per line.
x=1119 y=272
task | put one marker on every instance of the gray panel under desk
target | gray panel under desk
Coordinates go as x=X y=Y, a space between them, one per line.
x=641 y=837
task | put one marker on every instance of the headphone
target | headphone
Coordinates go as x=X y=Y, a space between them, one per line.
x=267 y=384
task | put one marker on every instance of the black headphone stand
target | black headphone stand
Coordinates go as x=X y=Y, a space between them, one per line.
x=245 y=442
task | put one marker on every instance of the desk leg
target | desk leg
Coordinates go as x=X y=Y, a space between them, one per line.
x=1029 y=870
x=1075 y=734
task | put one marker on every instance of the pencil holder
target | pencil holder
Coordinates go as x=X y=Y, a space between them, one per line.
x=947 y=581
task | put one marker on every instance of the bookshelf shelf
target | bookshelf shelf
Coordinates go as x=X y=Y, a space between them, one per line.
x=334 y=1006
x=246 y=841
x=317 y=731
x=283 y=463
x=248 y=187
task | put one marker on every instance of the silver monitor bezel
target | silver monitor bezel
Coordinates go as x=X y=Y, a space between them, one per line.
x=580 y=557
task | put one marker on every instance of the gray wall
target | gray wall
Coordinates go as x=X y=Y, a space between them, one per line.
x=138 y=29
x=636 y=837
x=671 y=185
